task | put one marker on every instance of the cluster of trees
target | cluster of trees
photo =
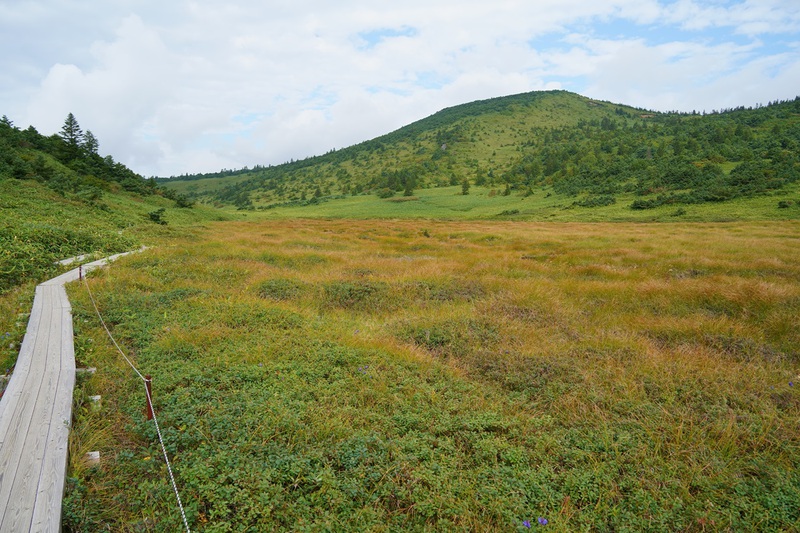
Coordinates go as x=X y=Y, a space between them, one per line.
x=69 y=163
x=679 y=159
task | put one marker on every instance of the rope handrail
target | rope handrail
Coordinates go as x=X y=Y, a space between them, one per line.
x=149 y=403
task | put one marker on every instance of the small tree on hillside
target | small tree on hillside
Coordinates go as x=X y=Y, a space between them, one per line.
x=409 y=186
x=72 y=136
x=465 y=187
x=71 y=131
x=90 y=143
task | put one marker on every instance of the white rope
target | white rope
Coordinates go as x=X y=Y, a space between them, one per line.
x=149 y=403
x=166 y=459
x=110 y=336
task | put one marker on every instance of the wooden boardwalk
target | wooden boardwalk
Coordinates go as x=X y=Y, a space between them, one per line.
x=36 y=413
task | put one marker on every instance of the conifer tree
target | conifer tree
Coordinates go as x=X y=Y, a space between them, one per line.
x=71 y=132
x=90 y=143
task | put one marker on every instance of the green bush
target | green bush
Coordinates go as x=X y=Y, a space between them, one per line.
x=281 y=289
x=451 y=337
x=157 y=216
x=359 y=295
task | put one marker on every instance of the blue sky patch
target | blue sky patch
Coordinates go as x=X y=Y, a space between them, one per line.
x=375 y=37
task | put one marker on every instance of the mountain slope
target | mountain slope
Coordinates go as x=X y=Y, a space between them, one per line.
x=59 y=198
x=573 y=146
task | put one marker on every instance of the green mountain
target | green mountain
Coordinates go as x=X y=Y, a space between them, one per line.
x=583 y=151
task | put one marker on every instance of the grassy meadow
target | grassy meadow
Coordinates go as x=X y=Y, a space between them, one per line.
x=419 y=375
x=448 y=203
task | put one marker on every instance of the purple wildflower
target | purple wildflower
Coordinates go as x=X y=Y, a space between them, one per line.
x=526 y=523
x=542 y=521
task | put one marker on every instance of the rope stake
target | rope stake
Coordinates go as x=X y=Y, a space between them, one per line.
x=151 y=415
x=148 y=385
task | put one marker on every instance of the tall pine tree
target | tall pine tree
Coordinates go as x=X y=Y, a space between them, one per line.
x=72 y=135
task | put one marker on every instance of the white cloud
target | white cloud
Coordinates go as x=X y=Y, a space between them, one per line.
x=194 y=86
x=130 y=78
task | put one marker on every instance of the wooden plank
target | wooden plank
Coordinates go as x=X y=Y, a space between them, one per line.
x=36 y=412
x=54 y=465
x=22 y=456
x=16 y=387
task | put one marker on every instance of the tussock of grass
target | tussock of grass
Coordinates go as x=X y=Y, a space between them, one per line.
x=468 y=376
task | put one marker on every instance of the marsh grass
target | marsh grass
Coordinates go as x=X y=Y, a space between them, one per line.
x=359 y=375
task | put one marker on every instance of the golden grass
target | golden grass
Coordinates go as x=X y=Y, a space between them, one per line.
x=669 y=335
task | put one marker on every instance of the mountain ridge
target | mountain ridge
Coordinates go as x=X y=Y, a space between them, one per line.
x=579 y=147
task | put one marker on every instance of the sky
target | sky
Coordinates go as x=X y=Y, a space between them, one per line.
x=190 y=86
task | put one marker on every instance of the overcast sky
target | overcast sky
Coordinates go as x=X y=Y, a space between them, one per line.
x=176 y=86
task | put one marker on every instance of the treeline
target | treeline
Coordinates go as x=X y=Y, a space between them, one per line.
x=69 y=163
x=224 y=173
x=678 y=158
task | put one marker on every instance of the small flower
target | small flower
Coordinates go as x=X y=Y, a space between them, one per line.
x=791 y=384
x=542 y=521
x=526 y=523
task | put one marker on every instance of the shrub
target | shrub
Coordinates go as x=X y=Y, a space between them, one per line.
x=362 y=294
x=645 y=204
x=450 y=337
x=281 y=289
x=157 y=216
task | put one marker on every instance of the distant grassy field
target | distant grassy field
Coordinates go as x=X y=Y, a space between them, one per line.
x=448 y=203
x=392 y=375
x=204 y=185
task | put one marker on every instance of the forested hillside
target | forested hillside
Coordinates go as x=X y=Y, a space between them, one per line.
x=572 y=146
x=59 y=197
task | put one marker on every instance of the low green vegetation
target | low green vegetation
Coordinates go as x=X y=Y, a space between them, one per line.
x=448 y=203
x=342 y=375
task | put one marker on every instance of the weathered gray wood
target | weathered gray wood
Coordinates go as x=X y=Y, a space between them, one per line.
x=23 y=442
x=36 y=412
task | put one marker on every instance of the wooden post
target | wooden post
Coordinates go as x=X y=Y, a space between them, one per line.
x=149 y=410
x=80 y=272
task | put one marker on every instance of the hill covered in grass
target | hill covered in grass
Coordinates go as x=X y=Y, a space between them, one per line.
x=60 y=198
x=589 y=152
